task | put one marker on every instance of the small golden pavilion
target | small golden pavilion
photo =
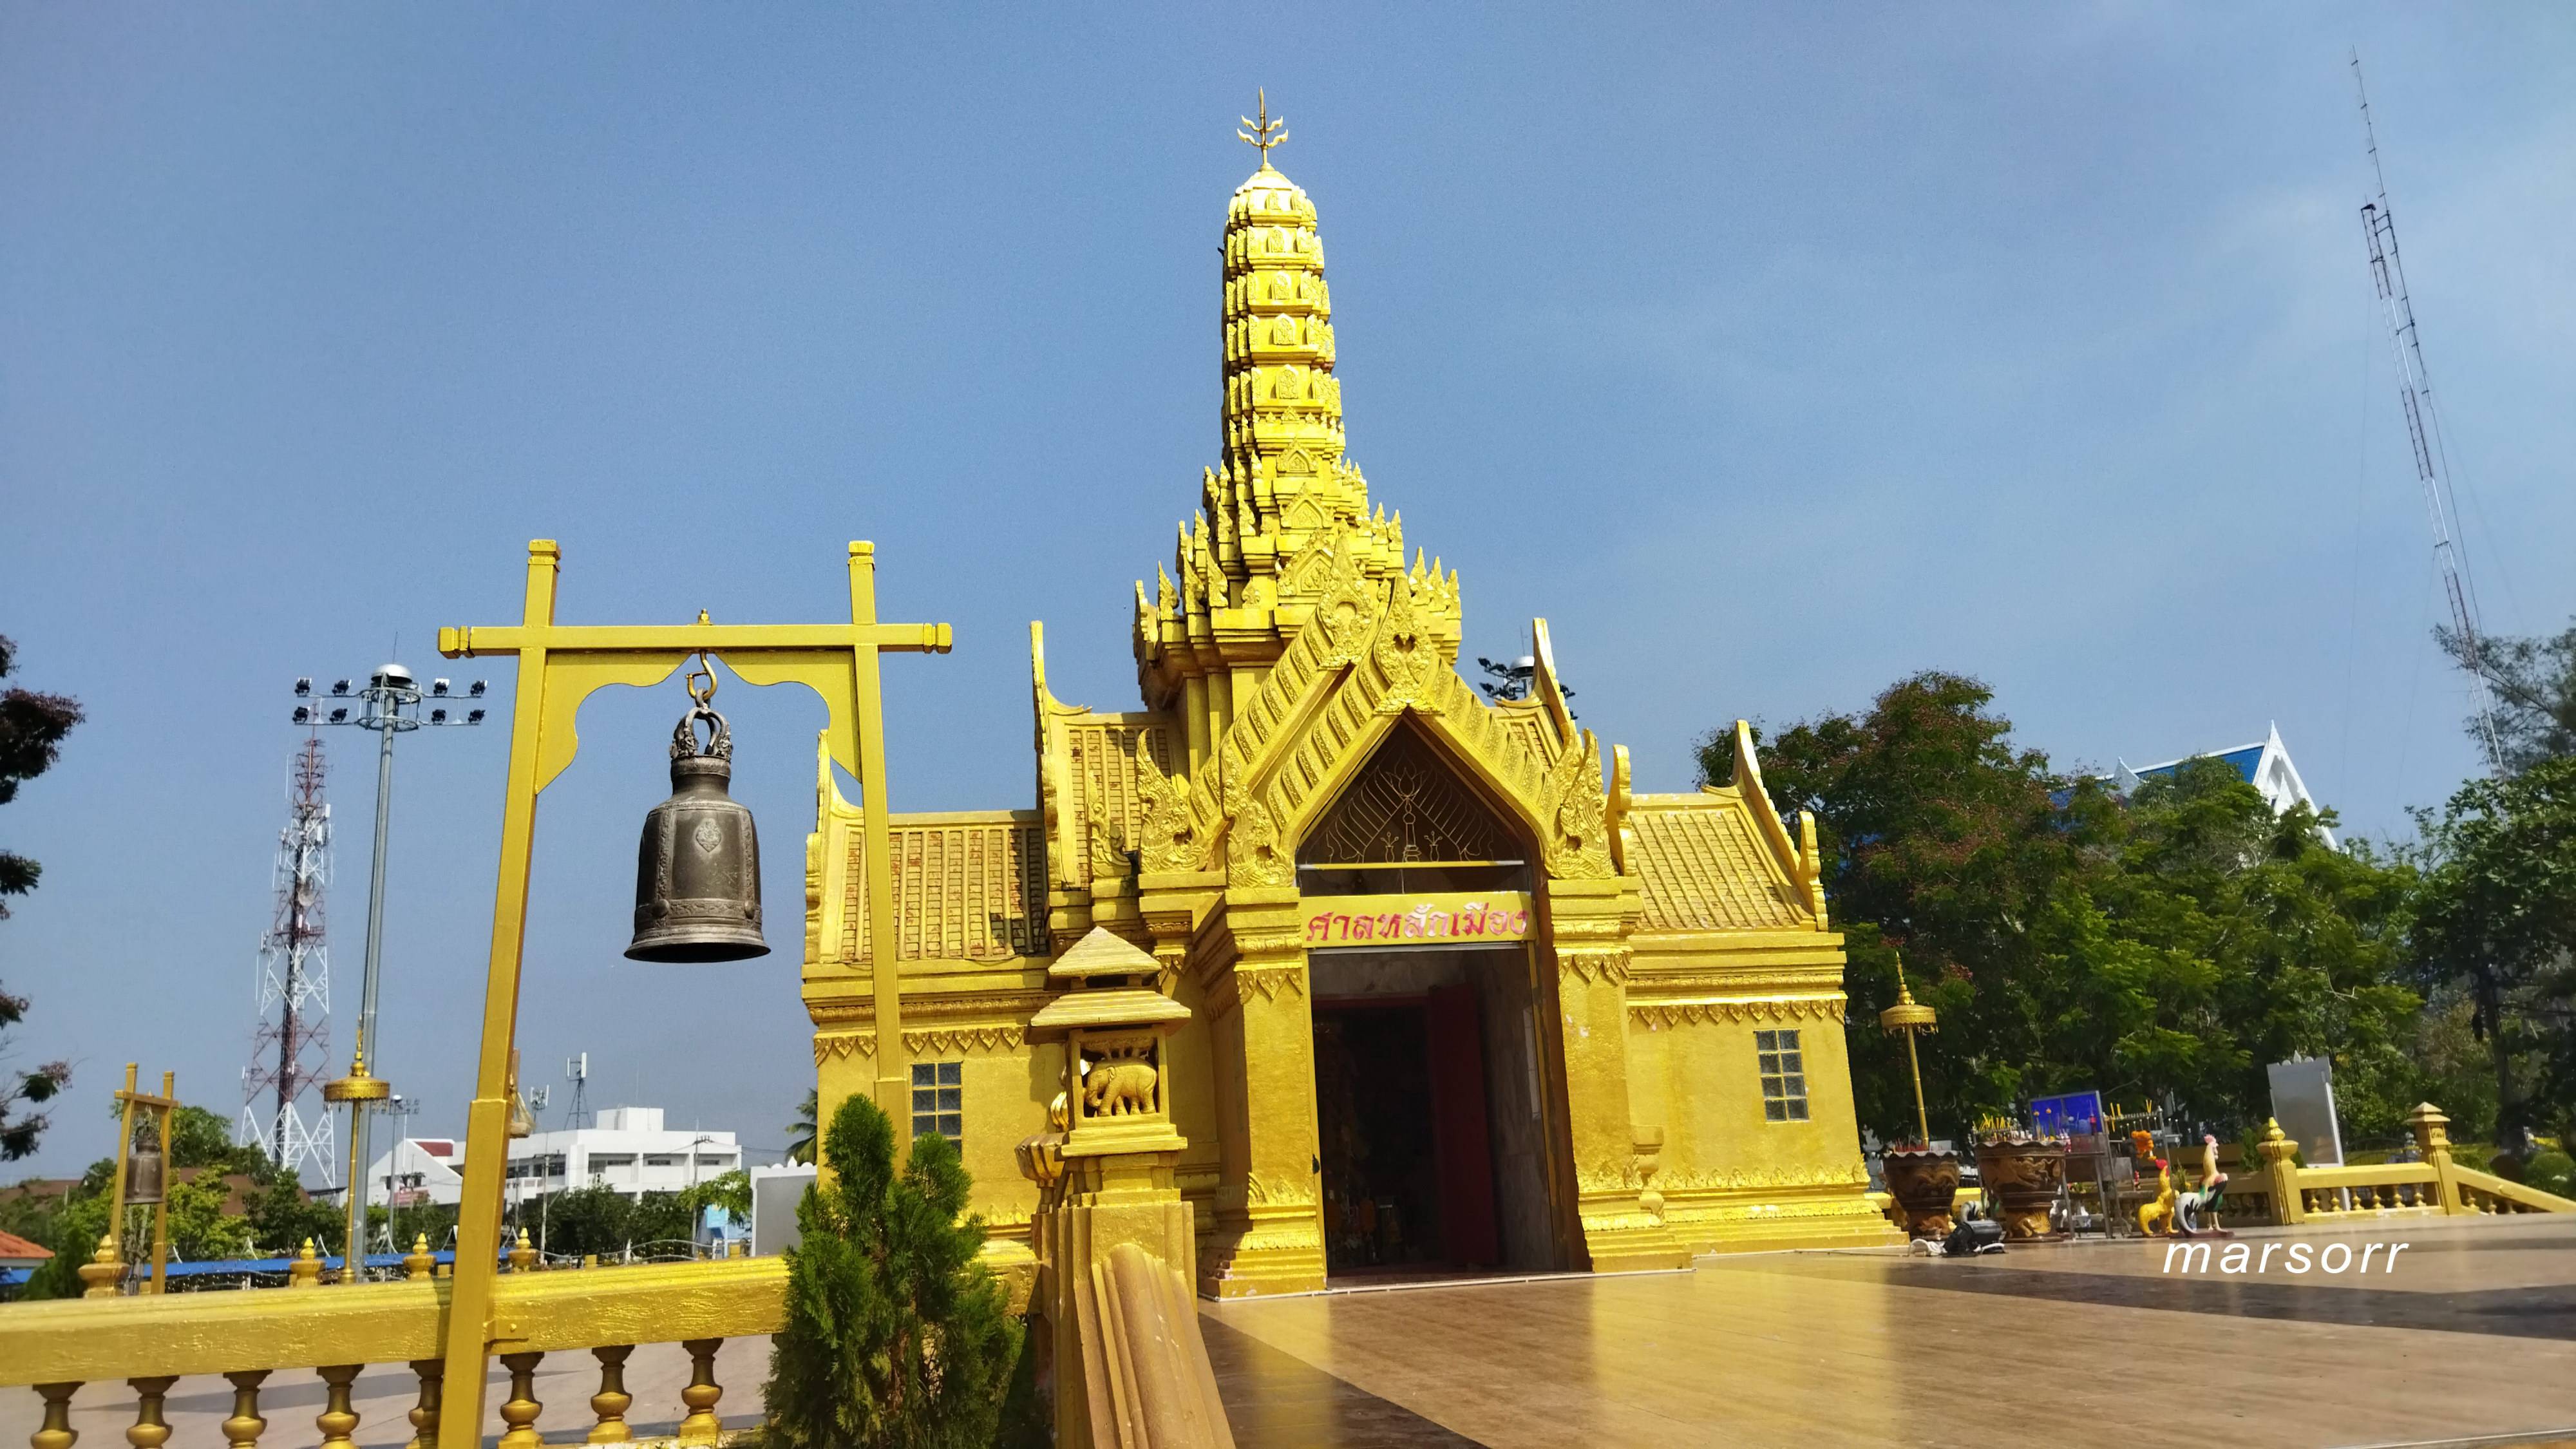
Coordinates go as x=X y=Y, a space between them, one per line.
x=1459 y=995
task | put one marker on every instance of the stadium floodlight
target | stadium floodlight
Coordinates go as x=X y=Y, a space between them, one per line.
x=390 y=703
x=477 y=690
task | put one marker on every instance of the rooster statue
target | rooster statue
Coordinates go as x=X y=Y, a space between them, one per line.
x=2196 y=1211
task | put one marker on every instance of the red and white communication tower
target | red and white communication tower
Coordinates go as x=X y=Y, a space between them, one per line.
x=282 y=1112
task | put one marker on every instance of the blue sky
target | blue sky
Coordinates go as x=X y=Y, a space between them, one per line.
x=1769 y=353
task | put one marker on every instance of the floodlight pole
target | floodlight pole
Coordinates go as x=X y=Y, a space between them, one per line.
x=389 y=692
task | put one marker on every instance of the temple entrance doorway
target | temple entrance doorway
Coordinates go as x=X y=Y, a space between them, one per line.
x=1431 y=1118
x=1438 y=1113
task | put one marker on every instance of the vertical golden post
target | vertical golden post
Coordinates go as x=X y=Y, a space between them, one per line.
x=161 y=1209
x=894 y=1079
x=487 y=1121
x=116 y=1191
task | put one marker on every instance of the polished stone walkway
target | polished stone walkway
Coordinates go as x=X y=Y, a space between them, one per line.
x=2473 y=1335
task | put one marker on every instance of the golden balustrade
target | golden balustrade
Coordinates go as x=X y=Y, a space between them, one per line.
x=2434 y=1186
x=149 y=1343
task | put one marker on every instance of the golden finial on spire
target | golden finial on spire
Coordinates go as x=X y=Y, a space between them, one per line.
x=1259 y=136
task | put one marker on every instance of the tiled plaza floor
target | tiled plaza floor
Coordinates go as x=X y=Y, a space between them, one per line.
x=2473 y=1335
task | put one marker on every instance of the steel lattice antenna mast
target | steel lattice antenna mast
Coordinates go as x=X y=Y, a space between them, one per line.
x=290 y=1049
x=2424 y=430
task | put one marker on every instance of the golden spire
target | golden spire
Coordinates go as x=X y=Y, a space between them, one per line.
x=1259 y=135
x=1281 y=490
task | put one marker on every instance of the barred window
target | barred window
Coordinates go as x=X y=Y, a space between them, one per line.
x=939 y=1099
x=1784 y=1076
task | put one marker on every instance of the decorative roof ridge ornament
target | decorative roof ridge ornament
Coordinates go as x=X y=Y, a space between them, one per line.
x=1259 y=135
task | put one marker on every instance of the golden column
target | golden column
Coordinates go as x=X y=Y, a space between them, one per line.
x=1269 y=1217
x=1592 y=964
x=559 y=667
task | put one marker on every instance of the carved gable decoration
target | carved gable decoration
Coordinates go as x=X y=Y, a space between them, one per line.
x=1169 y=839
x=1577 y=812
x=1407 y=803
x=1407 y=659
x=1252 y=854
x=1348 y=609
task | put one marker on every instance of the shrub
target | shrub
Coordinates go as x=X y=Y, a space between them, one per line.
x=896 y=1335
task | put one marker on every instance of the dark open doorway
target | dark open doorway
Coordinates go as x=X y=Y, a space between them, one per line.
x=1408 y=1176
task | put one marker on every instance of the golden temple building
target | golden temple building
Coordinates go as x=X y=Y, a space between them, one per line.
x=1459 y=996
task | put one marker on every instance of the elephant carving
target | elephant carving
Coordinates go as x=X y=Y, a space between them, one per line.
x=1119 y=1089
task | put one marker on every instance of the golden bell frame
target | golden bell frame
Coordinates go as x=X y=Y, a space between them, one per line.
x=107 y=1268
x=559 y=667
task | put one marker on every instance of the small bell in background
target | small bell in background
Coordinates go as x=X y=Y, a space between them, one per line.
x=697 y=869
x=145 y=1180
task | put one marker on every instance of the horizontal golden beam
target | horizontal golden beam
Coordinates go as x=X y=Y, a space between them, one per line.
x=474 y=640
x=92 y=1340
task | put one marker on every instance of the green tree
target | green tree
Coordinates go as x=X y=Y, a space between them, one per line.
x=2496 y=921
x=730 y=1191
x=282 y=1217
x=801 y=1132
x=896 y=1335
x=2532 y=682
x=2303 y=945
x=2167 y=948
x=32 y=727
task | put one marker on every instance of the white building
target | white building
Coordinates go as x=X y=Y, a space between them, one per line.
x=630 y=1150
x=2265 y=764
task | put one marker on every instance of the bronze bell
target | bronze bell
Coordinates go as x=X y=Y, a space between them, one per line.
x=144 y=1179
x=697 y=870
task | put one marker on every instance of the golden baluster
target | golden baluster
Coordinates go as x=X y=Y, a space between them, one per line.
x=337 y=1420
x=702 y=1426
x=612 y=1400
x=243 y=1429
x=57 y=1431
x=149 y=1431
x=424 y=1415
x=523 y=1258
x=520 y=1410
x=419 y=1261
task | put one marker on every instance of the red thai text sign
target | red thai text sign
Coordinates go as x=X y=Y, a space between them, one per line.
x=1482 y=917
